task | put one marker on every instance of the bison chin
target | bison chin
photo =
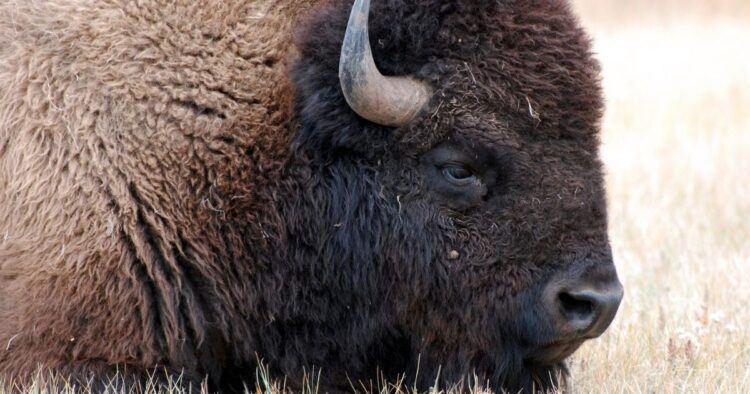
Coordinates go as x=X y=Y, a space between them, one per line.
x=553 y=320
x=517 y=355
x=523 y=344
x=507 y=371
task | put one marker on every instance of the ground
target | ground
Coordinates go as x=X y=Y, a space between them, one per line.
x=676 y=144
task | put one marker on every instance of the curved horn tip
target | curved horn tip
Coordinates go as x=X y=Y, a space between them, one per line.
x=390 y=101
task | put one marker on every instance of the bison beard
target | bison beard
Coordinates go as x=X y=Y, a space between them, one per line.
x=185 y=198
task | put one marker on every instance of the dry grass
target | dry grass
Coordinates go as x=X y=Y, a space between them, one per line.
x=677 y=149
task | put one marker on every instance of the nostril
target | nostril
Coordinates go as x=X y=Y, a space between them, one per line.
x=582 y=309
x=576 y=308
x=588 y=311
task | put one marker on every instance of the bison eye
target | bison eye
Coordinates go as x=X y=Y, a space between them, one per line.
x=459 y=175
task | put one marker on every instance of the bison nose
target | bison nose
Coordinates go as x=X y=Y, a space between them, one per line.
x=585 y=310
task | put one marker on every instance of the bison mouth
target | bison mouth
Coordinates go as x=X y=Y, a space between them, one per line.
x=569 y=309
x=554 y=353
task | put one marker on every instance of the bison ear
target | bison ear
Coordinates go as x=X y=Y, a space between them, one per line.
x=389 y=101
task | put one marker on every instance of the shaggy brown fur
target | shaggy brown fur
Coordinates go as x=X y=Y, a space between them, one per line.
x=131 y=135
x=176 y=194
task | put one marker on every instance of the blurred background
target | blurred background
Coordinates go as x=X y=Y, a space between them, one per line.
x=676 y=145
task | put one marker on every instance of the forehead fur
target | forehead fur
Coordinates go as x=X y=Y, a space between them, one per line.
x=517 y=67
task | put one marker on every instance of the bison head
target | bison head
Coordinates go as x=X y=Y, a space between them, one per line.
x=447 y=215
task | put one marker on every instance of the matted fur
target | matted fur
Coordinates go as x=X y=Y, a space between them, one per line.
x=184 y=188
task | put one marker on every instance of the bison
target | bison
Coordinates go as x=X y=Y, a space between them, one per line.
x=190 y=187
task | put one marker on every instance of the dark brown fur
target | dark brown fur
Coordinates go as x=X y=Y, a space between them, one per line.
x=176 y=194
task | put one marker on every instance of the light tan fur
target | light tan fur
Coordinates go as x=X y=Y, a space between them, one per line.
x=118 y=118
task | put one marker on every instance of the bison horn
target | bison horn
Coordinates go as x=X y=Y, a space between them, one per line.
x=389 y=101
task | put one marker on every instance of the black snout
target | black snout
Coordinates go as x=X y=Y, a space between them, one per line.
x=584 y=308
